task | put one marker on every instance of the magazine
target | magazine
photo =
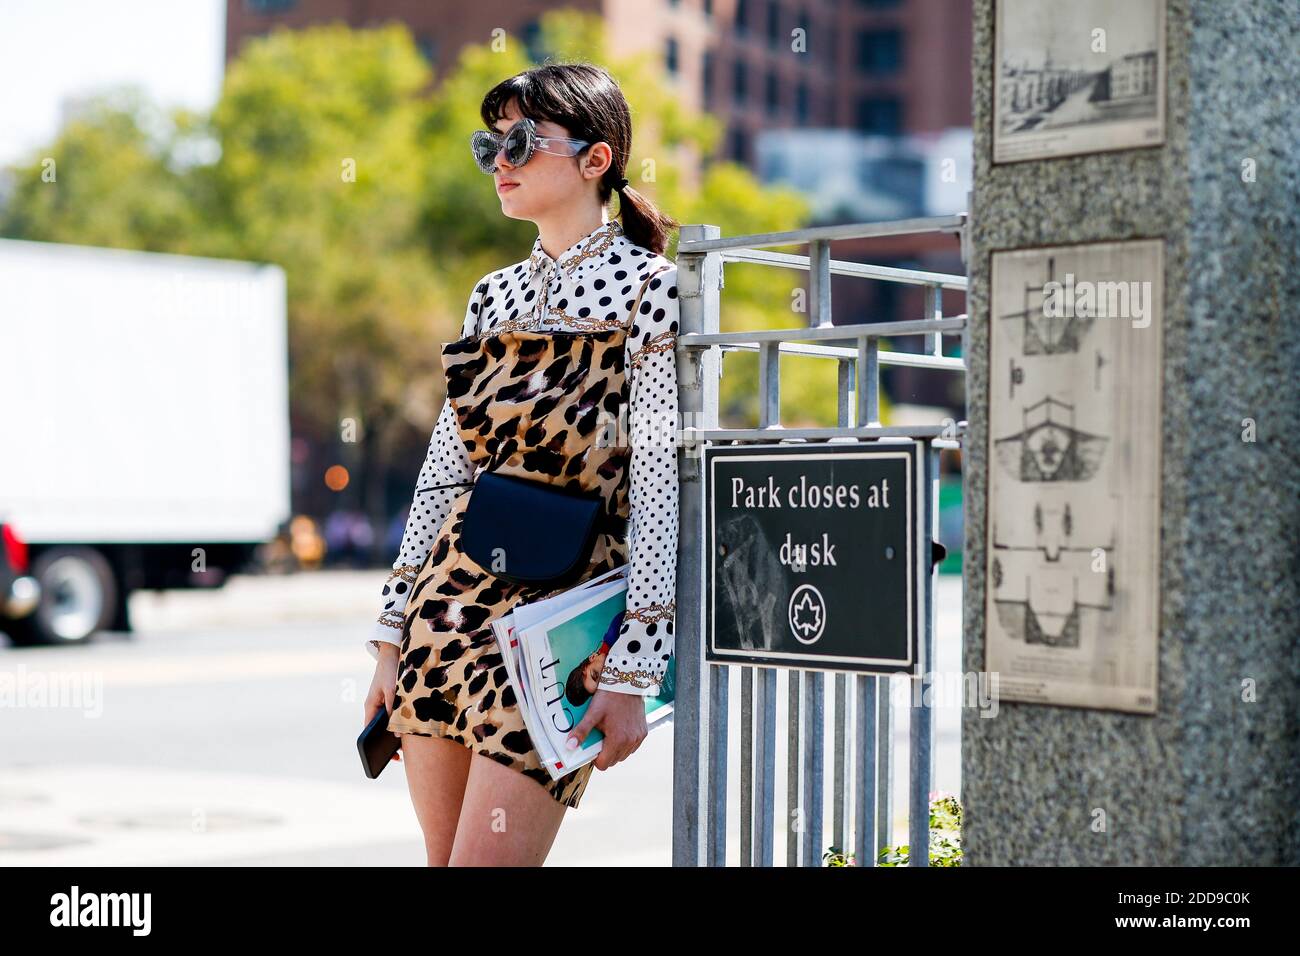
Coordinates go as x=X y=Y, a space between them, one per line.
x=512 y=654
x=551 y=652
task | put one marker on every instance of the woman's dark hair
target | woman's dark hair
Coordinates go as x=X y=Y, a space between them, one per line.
x=586 y=100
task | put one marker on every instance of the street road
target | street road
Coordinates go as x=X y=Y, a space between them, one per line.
x=223 y=731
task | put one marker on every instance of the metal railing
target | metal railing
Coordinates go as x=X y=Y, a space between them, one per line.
x=700 y=798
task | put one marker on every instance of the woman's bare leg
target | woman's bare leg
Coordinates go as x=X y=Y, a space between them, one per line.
x=436 y=773
x=506 y=819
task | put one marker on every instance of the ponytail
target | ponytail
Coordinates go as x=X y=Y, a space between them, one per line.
x=644 y=223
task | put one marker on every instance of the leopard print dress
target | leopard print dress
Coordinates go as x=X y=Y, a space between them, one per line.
x=544 y=405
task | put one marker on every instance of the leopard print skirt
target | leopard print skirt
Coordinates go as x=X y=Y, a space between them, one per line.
x=545 y=406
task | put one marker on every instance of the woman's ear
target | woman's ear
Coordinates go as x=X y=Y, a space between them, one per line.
x=599 y=158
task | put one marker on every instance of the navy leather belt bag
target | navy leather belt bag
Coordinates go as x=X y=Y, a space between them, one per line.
x=531 y=532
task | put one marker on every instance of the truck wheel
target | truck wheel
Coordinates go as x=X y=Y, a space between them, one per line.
x=78 y=597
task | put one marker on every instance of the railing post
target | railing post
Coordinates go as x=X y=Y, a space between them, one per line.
x=699 y=766
x=819 y=283
x=934 y=310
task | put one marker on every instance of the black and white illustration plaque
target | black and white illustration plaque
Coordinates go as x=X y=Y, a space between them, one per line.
x=1077 y=76
x=1074 y=474
x=814 y=555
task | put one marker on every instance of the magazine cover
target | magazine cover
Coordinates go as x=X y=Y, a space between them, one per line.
x=512 y=652
x=564 y=655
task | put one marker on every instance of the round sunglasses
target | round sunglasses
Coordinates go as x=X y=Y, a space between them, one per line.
x=519 y=142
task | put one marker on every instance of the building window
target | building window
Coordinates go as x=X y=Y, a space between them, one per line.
x=670 y=56
x=531 y=33
x=708 y=8
x=739 y=147
x=773 y=23
x=880 y=51
x=269 y=6
x=706 y=78
x=878 y=4
x=772 y=93
x=740 y=81
x=742 y=16
x=801 y=103
x=880 y=114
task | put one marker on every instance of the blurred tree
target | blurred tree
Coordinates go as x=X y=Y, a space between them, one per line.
x=110 y=178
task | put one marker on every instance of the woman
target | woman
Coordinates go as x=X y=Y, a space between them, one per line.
x=554 y=351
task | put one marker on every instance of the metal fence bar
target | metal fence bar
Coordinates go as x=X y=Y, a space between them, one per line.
x=699 y=778
x=840 y=813
x=766 y=764
x=747 y=766
x=868 y=382
x=819 y=283
x=814 y=729
x=792 y=833
x=864 y=755
x=797 y=237
x=845 y=267
x=848 y=333
x=884 y=767
x=934 y=310
x=864 y=431
x=839 y=769
x=909 y=359
x=769 y=385
x=922 y=741
x=717 y=682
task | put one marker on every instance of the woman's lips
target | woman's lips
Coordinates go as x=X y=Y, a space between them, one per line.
x=506 y=187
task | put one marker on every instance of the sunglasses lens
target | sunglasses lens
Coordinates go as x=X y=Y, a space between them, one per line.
x=517 y=145
x=485 y=147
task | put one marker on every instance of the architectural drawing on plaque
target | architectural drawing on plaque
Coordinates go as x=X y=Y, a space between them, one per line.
x=1074 y=475
x=1047 y=325
x=1077 y=76
x=1048 y=447
x=1043 y=591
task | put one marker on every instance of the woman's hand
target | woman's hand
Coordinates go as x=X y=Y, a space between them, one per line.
x=384 y=686
x=620 y=717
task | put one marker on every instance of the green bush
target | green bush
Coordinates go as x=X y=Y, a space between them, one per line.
x=945 y=839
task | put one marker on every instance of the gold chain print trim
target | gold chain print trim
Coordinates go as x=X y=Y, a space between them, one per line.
x=586 y=324
x=603 y=239
x=663 y=342
x=406 y=572
x=652 y=612
x=638 y=679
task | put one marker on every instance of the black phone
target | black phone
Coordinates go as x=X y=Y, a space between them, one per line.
x=377 y=744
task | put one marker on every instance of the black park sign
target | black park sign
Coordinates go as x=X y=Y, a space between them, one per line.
x=813 y=555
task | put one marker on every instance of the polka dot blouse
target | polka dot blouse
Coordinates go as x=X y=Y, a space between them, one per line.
x=596 y=277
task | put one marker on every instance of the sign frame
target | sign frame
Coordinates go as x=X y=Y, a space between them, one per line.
x=919 y=561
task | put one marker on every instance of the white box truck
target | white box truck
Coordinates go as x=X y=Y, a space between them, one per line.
x=145 y=438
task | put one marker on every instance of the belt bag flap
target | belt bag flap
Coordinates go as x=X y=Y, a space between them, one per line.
x=529 y=532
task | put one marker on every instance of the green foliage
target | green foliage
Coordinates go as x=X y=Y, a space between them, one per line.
x=945 y=839
x=108 y=179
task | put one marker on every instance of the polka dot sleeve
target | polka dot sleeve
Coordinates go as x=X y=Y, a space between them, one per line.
x=638 y=660
x=445 y=462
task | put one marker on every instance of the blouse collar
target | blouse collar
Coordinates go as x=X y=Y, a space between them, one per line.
x=591 y=248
